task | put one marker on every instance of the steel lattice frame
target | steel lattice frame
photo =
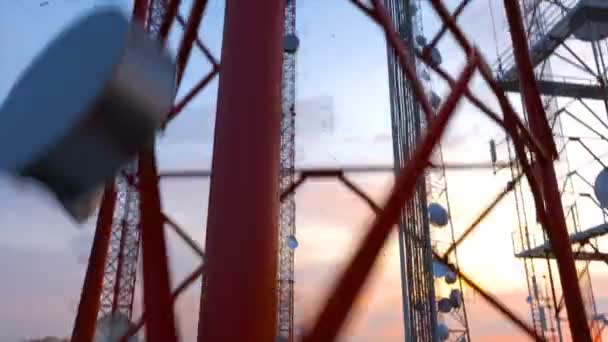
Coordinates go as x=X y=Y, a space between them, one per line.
x=536 y=26
x=245 y=277
x=119 y=214
x=535 y=29
x=121 y=264
x=122 y=260
x=155 y=17
x=535 y=16
x=439 y=192
x=287 y=209
x=420 y=314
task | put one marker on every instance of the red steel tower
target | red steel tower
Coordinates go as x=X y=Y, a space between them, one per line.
x=239 y=301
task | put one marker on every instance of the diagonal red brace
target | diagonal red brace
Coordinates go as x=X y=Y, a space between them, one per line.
x=350 y=284
x=553 y=220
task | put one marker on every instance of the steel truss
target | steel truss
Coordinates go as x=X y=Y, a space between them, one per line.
x=420 y=314
x=241 y=259
x=543 y=20
x=287 y=209
x=439 y=193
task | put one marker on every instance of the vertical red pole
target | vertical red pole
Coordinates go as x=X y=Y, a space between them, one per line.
x=555 y=224
x=160 y=321
x=140 y=10
x=239 y=301
x=86 y=318
x=160 y=325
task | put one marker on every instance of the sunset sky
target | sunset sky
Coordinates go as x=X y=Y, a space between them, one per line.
x=341 y=77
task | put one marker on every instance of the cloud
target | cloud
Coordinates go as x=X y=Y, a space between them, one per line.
x=314 y=116
x=188 y=140
x=37 y=286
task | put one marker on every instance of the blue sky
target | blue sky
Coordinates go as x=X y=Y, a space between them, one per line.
x=341 y=76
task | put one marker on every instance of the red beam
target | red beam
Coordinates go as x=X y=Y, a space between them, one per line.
x=240 y=299
x=190 y=35
x=157 y=285
x=342 y=298
x=170 y=8
x=554 y=221
x=141 y=9
x=185 y=284
x=178 y=107
x=86 y=318
x=156 y=278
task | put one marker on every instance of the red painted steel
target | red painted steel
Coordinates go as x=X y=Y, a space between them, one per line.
x=88 y=308
x=511 y=122
x=140 y=10
x=427 y=49
x=239 y=302
x=555 y=223
x=240 y=298
x=189 y=280
x=170 y=8
x=190 y=35
x=86 y=318
x=157 y=285
x=481 y=216
x=490 y=299
x=158 y=300
x=343 y=297
x=197 y=39
x=177 y=108
x=183 y=55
